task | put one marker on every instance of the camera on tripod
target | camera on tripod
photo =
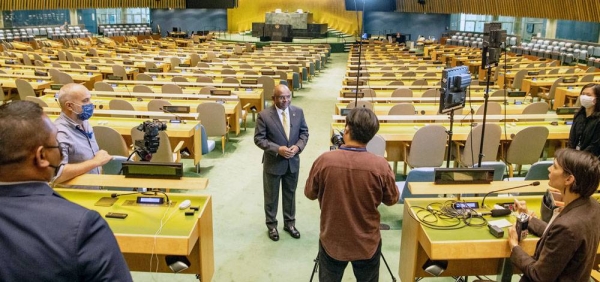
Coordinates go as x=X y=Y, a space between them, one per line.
x=149 y=145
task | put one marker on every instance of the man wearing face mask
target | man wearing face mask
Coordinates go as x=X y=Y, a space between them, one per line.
x=81 y=153
x=585 y=131
x=45 y=237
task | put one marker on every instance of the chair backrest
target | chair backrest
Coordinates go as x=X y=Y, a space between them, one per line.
x=431 y=93
x=361 y=103
x=119 y=70
x=388 y=74
x=206 y=89
x=142 y=89
x=156 y=105
x=409 y=74
x=553 y=88
x=402 y=92
x=36 y=100
x=194 y=59
x=396 y=82
x=538 y=171
x=26 y=59
x=204 y=78
x=428 y=147
x=24 y=88
x=143 y=77
x=102 y=86
x=150 y=65
x=231 y=80
x=171 y=88
x=228 y=71
x=110 y=140
x=377 y=145
x=174 y=62
x=421 y=81
x=402 y=109
x=164 y=152
x=518 y=80
x=587 y=78
x=117 y=104
x=536 y=108
x=494 y=108
x=498 y=93
x=54 y=74
x=212 y=116
x=65 y=78
x=179 y=79
x=499 y=169
x=422 y=174
x=527 y=145
x=491 y=141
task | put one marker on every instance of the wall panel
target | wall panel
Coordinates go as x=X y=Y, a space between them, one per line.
x=578 y=10
x=331 y=12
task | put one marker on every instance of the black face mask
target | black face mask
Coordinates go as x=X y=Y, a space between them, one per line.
x=56 y=167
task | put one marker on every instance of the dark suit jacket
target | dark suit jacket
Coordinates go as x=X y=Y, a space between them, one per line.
x=47 y=238
x=269 y=135
x=566 y=252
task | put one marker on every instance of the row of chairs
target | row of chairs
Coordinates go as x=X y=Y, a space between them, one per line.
x=103 y=27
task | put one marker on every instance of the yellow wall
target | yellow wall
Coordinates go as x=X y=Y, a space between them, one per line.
x=332 y=12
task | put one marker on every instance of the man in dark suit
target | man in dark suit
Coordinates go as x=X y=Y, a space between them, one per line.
x=282 y=133
x=45 y=237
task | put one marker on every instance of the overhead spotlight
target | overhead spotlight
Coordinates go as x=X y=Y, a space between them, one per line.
x=177 y=263
x=435 y=267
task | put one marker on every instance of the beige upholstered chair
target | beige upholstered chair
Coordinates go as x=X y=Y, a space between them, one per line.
x=468 y=152
x=212 y=116
x=179 y=79
x=526 y=147
x=421 y=81
x=427 y=148
x=377 y=145
x=165 y=152
x=111 y=141
x=431 y=93
x=204 y=79
x=117 y=104
x=402 y=109
x=368 y=92
x=536 y=108
x=396 y=82
x=142 y=89
x=547 y=94
x=402 y=92
x=171 y=88
x=143 y=77
x=119 y=70
x=518 y=79
x=103 y=86
x=360 y=103
x=37 y=100
x=24 y=88
x=206 y=90
x=157 y=105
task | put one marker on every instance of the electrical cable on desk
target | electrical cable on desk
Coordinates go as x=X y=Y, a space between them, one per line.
x=459 y=218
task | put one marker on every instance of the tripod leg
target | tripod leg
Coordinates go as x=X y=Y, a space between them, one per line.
x=388 y=267
x=315 y=268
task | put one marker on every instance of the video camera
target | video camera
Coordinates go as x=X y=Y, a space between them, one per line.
x=337 y=139
x=149 y=145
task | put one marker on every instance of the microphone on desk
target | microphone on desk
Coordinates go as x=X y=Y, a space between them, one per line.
x=129 y=92
x=177 y=119
x=115 y=195
x=502 y=212
x=471 y=112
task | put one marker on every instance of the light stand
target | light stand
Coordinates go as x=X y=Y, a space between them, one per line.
x=489 y=58
x=360 y=43
x=450 y=133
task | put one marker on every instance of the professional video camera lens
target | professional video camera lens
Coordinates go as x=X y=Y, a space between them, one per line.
x=337 y=139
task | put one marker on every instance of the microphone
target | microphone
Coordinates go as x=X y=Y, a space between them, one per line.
x=471 y=112
x=129 y=92
x=535 y=183
x=177 y=117
x=115 y=195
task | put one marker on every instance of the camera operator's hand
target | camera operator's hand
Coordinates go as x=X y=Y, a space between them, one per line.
x=521 y=207
x=102 y=157
x=513 y=237
x=285 y=152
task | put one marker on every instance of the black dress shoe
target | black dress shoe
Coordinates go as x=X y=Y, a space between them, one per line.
x=274 y=234
x=293 y=231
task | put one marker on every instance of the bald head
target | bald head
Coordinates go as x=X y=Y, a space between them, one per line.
x=72 y=97
x=282 y=96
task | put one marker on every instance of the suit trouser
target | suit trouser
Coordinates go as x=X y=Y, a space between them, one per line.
x=332 y=270
x=271 y=183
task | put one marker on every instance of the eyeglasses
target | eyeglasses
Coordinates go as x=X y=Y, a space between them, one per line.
x=282 y=98
x=61 y=148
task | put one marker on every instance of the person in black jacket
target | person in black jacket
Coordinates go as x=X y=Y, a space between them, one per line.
x=585 y=131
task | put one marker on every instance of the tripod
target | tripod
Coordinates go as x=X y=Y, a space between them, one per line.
x=316 y=267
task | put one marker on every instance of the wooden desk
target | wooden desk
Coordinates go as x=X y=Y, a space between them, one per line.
x=430 y=188
x=232 y=108
x=106 y=180
x=432 y=109
x=146 y=236
x=420 y=243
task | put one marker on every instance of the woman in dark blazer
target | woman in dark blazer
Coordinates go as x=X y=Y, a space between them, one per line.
x=585 y=131
x=569 y=242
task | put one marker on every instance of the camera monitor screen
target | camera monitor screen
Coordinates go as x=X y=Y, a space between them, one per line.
x=454 y=88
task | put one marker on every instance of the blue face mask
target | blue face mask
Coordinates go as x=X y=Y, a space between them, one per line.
x=87 y=111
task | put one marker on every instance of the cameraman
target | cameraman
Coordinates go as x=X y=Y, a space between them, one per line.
x=350 y=183
x=81 y=153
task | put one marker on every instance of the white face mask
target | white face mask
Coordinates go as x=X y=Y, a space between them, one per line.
x=587 y=101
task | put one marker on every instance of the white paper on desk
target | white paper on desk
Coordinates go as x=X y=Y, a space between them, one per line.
x=500 y=223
